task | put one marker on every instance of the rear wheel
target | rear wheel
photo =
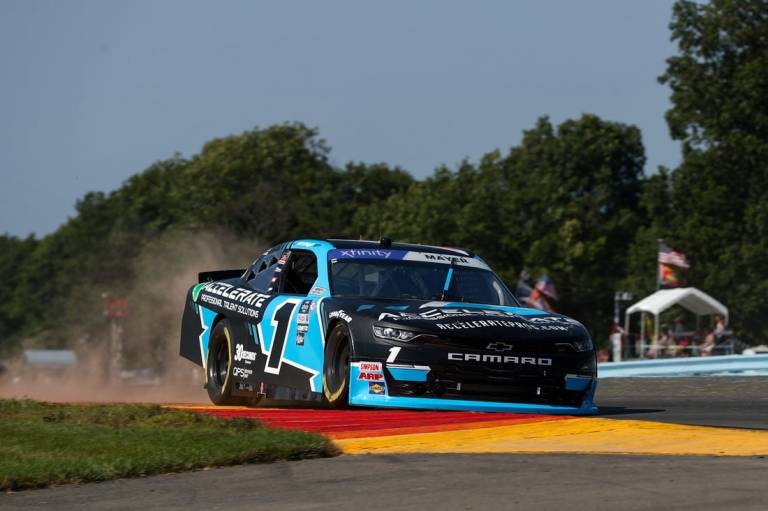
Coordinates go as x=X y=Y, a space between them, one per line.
x=338 y=352
x=219 y=367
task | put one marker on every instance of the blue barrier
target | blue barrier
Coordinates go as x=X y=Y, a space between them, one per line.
x=687 y=366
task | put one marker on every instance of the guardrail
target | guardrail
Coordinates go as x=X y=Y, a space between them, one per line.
x=686 y=366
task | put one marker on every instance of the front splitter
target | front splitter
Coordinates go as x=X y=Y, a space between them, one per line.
x=364 y=392
x=426 y=403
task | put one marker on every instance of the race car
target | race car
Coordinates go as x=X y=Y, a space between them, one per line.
x=382 y=324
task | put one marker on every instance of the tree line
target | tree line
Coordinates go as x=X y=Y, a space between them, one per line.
x=571 y=199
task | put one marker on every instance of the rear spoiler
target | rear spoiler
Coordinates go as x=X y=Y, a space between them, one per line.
x=210 y=276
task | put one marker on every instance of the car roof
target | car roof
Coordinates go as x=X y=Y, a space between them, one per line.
x=398 y=246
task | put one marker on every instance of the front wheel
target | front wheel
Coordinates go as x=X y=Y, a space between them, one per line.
x=336 y=367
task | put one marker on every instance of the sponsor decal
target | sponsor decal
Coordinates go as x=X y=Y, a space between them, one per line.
x=438 y=314
x=370 y=376
x=499 y=359
x=196 y=290
x=376 y=388
x=553 y=319
x=442 y=258
x=241 y=355
x=468 y=325
x=302 y=322
x=212 y=300
x=341 y=314
x=371 y=366
x=496 y=318
x=364 y=253
x=235 y=293
x=241 y=372
x=371 y=371
x=233 y=298
x=457 y=260
x=427 y=257
x=317 y=291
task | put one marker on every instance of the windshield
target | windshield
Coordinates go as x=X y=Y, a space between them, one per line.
x=398 y=280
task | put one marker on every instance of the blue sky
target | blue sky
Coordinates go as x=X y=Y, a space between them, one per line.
x=92 y=92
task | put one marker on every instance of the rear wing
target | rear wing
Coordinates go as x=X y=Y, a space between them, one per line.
x=210 y=276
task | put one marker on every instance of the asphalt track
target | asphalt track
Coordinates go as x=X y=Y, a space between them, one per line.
x=733 y=478
x=738 y=402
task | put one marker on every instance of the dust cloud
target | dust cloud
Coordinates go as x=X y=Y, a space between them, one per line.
x=135 y=358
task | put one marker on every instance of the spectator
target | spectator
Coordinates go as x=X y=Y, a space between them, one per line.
x=706 y=347
x=659 y=349
x=665 y=342
x=719 y=327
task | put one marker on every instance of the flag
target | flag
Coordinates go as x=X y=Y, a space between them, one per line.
x=538 y=300
x=524 y=287
x=668 y=276
x=668 y=256
x=547 y=287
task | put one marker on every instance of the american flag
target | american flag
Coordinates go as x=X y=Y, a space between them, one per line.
x=547 y=287
x=669 y=256
x=538 y=300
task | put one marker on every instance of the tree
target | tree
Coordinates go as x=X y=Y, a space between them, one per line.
x=577 y=192
x=720 y=113
x=13 y=253
x=268 y=184
x=565 y=201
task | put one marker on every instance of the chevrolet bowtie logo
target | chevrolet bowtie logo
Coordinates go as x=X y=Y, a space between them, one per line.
x=499 y=346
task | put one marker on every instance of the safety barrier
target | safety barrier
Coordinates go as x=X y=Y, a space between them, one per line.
x=685 y=366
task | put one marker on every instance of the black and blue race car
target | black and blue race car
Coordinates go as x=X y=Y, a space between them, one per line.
x=382 y=324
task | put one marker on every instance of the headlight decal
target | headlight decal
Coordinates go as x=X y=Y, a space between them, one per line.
x=393 y=334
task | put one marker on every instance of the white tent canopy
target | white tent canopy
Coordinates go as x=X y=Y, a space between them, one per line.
x=695 y=300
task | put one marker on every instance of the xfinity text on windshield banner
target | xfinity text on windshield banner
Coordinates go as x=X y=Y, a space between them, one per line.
x=405 y=255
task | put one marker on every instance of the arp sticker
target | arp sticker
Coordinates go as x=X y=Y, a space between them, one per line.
x=370 y=376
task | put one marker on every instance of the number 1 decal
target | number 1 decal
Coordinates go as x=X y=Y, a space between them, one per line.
x=393 y=352
x=280 y=323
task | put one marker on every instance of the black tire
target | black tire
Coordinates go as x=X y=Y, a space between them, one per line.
x=218 y=381
x=338 y=351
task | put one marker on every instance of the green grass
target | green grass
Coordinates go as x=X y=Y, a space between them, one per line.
x=44 y=443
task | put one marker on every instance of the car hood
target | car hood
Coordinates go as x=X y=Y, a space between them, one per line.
x=459 y=320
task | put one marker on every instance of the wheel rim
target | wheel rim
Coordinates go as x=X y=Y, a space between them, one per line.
x=339 y=370
x=218 y=372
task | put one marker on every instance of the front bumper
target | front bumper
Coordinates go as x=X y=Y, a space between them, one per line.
x=378 y=384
